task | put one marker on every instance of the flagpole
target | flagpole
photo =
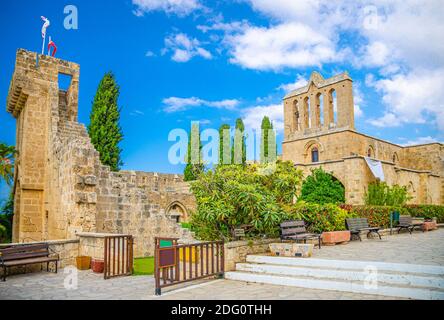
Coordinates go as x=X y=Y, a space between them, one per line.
x=43 y=45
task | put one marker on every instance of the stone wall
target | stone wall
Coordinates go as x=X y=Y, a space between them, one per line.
x=341 y=149
x=61 y=186
x=237 y=251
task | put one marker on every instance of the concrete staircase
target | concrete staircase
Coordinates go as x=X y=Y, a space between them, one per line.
x=367 y=277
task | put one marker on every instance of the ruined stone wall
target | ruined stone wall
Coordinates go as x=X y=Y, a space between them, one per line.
x=61 y=187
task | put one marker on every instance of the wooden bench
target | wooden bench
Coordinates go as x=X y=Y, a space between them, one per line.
x=21 y=255
x=358 y=225
x=406 y=222
x=296 y=230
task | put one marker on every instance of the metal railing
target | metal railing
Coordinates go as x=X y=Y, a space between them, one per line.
x=118 y=257
x=178 y=263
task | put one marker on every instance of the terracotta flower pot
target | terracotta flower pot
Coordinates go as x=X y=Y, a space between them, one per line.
x=334 y=237
x=97 y=265
x=83 y=262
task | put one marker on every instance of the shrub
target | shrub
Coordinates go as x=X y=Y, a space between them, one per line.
x=427 y=211
x=321 y=187
x=380 y=194
x=320 y=218
x=232 y=195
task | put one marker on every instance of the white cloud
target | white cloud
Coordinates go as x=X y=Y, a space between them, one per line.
x=300 y=82
x=175 y=104
x=150 y=54
x=387 y=120
x=253 y=116
x=178 y=7
x=137 y=113
x=420 y=140
x=375 y=54
x=415 y=97
x=284 y=45
x=184 y=48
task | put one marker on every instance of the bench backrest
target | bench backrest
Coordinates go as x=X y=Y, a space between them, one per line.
x=407 y=220
x=24 y=252
x=291 y=228
x=356 y=223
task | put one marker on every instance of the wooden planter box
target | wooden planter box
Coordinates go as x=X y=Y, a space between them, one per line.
x=83 y=262
x=291 y=250
x=335 y=237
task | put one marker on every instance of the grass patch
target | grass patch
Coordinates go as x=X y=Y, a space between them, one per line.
x=143 y=266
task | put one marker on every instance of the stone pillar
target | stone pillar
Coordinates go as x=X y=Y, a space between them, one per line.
x=345 y=105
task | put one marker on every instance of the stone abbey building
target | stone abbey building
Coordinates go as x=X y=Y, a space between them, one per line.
x=61 y=187
x=320 y=132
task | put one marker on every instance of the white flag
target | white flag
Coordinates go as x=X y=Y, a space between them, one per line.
x=45 y=25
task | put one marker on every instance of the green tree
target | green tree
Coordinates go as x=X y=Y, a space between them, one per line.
x=232 y=195
x=321 y=187
x=222 y=159
x=195 y=165
x=265 y=154
x=104 y=128
x=381 y=194
x=6 y=214
x=239 y=142
x=7 y=154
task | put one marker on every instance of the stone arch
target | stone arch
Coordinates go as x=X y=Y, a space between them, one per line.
x=370 y=152
x=297 y=116
x=395 y=158
x=177 y=211
x=332 y=108
x=308 y=148
x=319 y=110
x=307 y=112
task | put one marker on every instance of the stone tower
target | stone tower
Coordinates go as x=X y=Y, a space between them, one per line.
x=322 y=105
x=61 y=187
x=34 y=99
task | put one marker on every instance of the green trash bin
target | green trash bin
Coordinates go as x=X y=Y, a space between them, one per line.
x=394 y=219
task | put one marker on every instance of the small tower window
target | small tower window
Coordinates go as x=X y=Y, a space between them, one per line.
x=314 y=155
x=370 y=152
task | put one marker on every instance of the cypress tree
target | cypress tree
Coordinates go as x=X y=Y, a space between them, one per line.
x=194 y=159
x=265 y=127
x=239 y=143
x=104 y=128
x=222 y=155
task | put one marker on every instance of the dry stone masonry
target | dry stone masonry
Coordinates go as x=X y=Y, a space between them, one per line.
x=320 y=132
x=61 y=187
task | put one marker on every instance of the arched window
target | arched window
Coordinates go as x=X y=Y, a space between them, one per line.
x=370 y=152
x=395 y=158
x=315 y=155
x=332 y=109
x=319 y=110
x=297 y=116
x=307 y=116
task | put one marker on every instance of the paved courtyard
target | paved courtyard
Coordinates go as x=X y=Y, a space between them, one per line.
x=419 y=248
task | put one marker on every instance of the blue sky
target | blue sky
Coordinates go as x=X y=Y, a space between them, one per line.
x=213 y=61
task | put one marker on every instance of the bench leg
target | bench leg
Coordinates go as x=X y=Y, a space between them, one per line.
x=56 y=266
x=319 y=240
x=4 y=274
x=377 y=232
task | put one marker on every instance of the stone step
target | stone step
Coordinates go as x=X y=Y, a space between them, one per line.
x=403 y=279
x=348 y=264
x=338 y=285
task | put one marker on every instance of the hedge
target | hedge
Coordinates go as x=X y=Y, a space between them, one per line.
x=428 y=211
x=379 y=216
